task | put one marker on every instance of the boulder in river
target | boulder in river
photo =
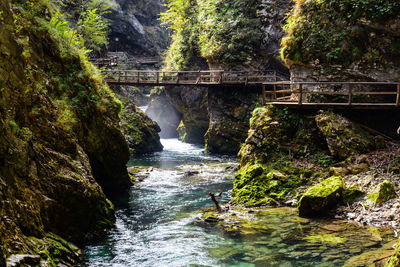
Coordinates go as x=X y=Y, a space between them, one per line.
x=321 y=197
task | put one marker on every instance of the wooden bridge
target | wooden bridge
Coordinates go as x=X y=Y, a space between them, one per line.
x=190 y=78
x=276 y=89
x=317 y=95
x=109 y=62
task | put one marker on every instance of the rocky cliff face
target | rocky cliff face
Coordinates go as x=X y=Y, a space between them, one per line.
x=139 y=130
x=59 y=141
x=248 y=37
x=191 y=102
x=164 y=113
x=229 y=109
x=360 y=43
x=136 y=25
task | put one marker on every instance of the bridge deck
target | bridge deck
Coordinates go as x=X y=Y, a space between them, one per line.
x=275 y=88
x=191 y=78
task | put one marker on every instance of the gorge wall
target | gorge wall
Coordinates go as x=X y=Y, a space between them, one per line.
x=61 y=149
x=360 y=42
x=224 y=35
x=137 y=26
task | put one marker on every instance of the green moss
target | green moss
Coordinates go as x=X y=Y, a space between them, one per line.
x=325 y=239
x=382 y=193
x=257 y=185
x=321 y=196
x=351 y=194
x=55 y=251
x=341 y=32
x=394 y=260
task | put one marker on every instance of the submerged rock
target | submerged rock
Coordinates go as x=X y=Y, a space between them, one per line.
x=321 y=197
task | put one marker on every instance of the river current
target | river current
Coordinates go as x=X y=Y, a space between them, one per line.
x=157 y=225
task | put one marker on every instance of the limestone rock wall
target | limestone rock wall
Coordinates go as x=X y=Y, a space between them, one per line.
x=59 y=141
x=136 y=24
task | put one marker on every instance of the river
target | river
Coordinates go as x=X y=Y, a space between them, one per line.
x=158 y=224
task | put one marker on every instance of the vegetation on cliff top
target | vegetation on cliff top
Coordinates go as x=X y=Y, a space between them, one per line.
x=343 y=32
x=88 y=19
x=221 y=31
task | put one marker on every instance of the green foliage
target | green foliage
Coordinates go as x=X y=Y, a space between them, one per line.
x=222 y=31
x=342 y=32
x=88 y=19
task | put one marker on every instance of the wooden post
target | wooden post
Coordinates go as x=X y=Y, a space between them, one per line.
x=398 y=95
x=301 y=94
x=274 y=95
x=119 y=76
x=163 y=76
x=247 y=78
x=177 y=77
x=350 y=88
x=264 y=96
x=138 y=76
x=158 y=77
x=198 y=77
x=274 y=76
x=220 y=77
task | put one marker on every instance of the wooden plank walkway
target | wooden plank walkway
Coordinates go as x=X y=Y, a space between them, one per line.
x=337 y=95
x=190 y=78
x=276 y=89
x=109 y=62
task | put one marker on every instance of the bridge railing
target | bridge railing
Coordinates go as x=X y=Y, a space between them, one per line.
x=105 y=62
x=333 y=93
x=143 y=77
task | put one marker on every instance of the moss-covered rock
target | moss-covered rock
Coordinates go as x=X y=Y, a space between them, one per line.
x=394 y=260
x=140 y=131
x=352 y=194
x=59 y=137
x=382 y=193
x=359 y=32
x=321 y=197
x=277 y=137
x=259 y=185
x=344 y=138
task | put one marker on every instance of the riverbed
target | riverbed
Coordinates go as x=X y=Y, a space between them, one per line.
x=158 y=225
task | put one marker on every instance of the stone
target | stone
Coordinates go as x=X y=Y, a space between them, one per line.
x=321 y=197
x=343 y=137
x=352 y=194
x=382 y=192
x=17 y=260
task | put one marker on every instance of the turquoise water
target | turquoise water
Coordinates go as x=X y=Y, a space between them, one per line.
x=159 y=224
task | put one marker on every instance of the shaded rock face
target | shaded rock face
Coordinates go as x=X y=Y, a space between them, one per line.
x=139 y=130
x=229 y=109
x=273 y=16
x=344 y=138
x=162 y=111
x=191 y=102
x=59 y=140
x=136 y=24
